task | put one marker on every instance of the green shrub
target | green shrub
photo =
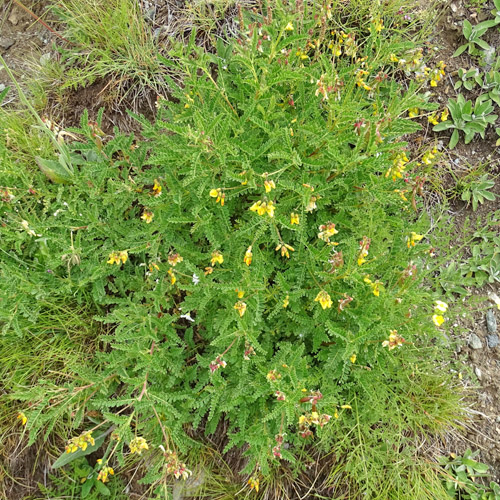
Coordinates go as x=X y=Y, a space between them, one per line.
x=257 y=258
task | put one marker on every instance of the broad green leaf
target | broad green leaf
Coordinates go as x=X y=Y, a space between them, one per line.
x=454 y=139
x=53 y=170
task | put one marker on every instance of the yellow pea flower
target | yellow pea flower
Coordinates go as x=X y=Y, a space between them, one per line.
x=324 y=299
x=217 y=257
x=147 y=216
x=294 y=218
x=247 y=259
x=241 y=307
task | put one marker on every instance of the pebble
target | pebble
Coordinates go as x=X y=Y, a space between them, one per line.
x=491 y=321
x=6 y=43
x=478 y=373
x=475 y=342
x=493 y=340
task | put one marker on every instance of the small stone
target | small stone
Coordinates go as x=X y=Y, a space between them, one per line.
x=478 y=373
x=13 y=18
x=491 y=321
x=6 y=43
x=2 y=87
x=492 y=340
x=475 y=342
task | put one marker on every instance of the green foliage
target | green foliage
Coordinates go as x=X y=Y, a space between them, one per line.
x=475 y=261
x=462 y=473
x=81 y=482
x=468 y=118
x=473 y=36
x=468 y=78
x=479 y=191
x=270 y=281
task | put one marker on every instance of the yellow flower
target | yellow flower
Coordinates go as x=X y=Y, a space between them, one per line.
x=378 y=24
x=286 y=301
x=312 y=204
x=395 y=340
x=444 y=115
x=288 y=27
x=217 y=258
x=346 y=407
x=247 y=259
x=217 y=193
x=22 y=417
x=147 y=216
x=269 y=186
x=262 y=207
x=294 y=218
x=156 y=189
x=137 y=445
x=240 y=293
x=437 y=319
x=209 y=270
x=324 y=299
x=253 y=482
x=336 y=414
x=104 y=473
x=413 y=112
x=173 y=279
x=353 y=358
x=80 y=442
x=413 y=238
x=118 y=258
x=241 y=307
x=174 y=259
x=326 y=231
x=393 y=58
x=284 y=250
x=432 y=118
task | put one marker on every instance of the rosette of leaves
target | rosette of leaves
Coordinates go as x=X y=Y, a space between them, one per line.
x=468 y=118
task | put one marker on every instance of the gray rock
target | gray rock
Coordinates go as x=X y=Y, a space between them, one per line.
x=493 y=340
x=478 y=373
x=475 y=342
x=491 y=321
x=6 y=43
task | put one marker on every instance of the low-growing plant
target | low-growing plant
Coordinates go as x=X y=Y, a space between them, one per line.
x=479 y=191
x=468 y=118
x=257 y=259
x=473 y=34
x=462 y=473
x=468 y=78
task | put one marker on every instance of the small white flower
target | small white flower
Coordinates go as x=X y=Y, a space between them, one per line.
x=188 y=317
x=440 y=306
x=196 y=280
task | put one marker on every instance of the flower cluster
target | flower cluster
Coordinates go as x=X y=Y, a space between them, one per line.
x=137 y=445
x=247 y=259
x=324 y=299
x=413 y=239
x=217 y=258
x=217 y=363
x=376 y=286
x=219 y=195
x=156 y=189
x=263 y=207
x=398 y=166
x=254 y=482
x=175 y=467
x=294 y=219
x=279 y=443
x=241 y=307
x=118 y=258
x=174 y=259
x=104 y=472
x=285 y=250
x=395 y=340
x=326 y=231
x=147 y=216
x=313 y=418
x=364 y=246
x=80 y=442
x=440 y=308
